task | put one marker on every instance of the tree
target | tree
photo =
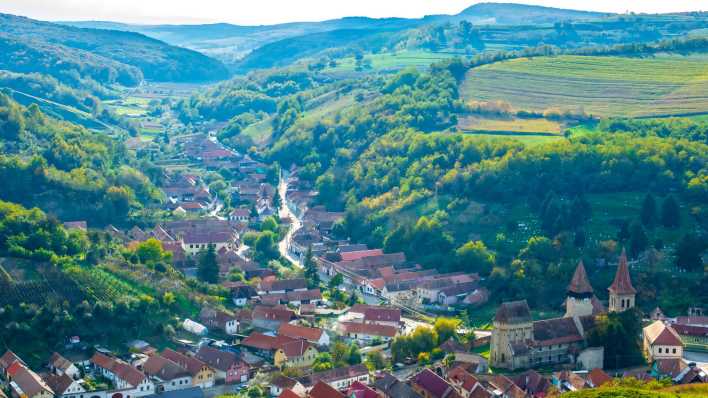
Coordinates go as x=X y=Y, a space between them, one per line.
x=446 y=328
x=670 y=212
x=336 y=281
x=424 y=358
x=310 y=272
x=375 y=360
x=340 y=354
x=688 y=252
x=474 y=256
x=354 y=356
x=648 y=212
x=323 y=361
x=619 y=334
x=208 y=269
x=269 y=224
x=638 y=240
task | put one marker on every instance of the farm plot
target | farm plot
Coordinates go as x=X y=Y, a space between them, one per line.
x=602 y=86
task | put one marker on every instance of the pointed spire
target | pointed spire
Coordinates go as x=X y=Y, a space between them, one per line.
x=622 y=283
x=580 y=285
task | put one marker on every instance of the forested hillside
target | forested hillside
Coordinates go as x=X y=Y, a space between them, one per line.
x=50 y=164
x=103 y=55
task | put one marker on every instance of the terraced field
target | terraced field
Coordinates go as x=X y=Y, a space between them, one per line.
x=602 y=86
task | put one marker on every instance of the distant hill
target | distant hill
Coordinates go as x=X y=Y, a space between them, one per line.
x=229 y=42
x=37 y=46
x=522 y=14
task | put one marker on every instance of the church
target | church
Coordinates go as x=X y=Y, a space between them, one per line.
x=519 y=342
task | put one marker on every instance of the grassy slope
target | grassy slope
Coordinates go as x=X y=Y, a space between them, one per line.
x=687 y=391
x=604 y=86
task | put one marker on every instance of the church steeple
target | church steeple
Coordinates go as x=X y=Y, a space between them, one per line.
x=580 y=294
x=622 y=293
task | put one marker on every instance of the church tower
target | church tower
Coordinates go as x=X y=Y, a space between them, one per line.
x=622 y=293
x=579 y=294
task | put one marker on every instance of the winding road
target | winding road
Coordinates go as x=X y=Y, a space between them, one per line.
x=295 y=224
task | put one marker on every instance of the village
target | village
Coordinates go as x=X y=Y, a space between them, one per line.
x=343 y=319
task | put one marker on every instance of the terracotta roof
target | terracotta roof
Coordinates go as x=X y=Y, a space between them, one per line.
x=287 y=393
x=507 y=386
x=272 y=314
x=382 y=314
x=622 y=283
x=690 y=330
x=532 y=382
x=571 y=378
x=192 y=364
x=59 y=384
x=8 y=359
x=164 y=368
x=357 y=255
x=513 y=312
x=324 y=390
x=59 y=362
x=284 y=284
x=371 y=329
x=336 y=374
x=30 y=383
x=598 y=377
x=452 y=345
x=670 y=366
x=359 y=390
x=283 y=382
x=460 y=376
x=295 y=348
x=217 y=359
x=300 y=332
x=480 y=392
x=579 y=284
x=434 y=385
x=661 y=334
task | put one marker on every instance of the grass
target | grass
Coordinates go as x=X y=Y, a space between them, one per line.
x=511 y=125
x=602 y=86
x=393 y=60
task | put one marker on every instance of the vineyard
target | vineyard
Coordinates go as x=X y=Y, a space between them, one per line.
x=101 y=285
x=54 y=287
x=602 y=86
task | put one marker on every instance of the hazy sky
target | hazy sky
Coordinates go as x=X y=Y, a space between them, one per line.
x=253 y=12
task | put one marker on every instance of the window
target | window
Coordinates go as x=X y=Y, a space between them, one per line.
x=659 y=350
x=674 y=351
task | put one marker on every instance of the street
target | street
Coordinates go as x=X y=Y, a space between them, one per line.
x=296 y=223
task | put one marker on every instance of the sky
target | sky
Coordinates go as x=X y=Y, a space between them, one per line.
x=257 y=12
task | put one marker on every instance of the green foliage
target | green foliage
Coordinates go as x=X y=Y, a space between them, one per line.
x=670 y=212
x=208 y=267
x=689 y=250
x=311 y=272
x=474 y=256
x=648 y=212
x=446 y=328
x=422 y=340
x=375 y=360
x=323 y=361
x=618 y=334
x=151 y=253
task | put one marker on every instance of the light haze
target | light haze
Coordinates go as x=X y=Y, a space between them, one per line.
x=256 y=12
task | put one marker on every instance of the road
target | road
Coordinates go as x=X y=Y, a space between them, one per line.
x=295 y=224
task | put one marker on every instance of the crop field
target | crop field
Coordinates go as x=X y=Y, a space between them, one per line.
x=394 y=60
x=602 y=86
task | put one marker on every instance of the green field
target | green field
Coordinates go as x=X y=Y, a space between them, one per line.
x=602 y=86
x=393 y=60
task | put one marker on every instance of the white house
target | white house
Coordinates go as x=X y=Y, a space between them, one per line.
x=64 y=386
x=315 y=336
x=166 y=374
x=661 y=342
x=132 y=382
x=194 y=327
x=60 y=366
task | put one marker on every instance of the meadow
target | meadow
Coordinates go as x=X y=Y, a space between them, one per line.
x=601 y=86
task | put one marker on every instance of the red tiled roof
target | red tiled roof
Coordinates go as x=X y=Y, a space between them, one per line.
x=288 y=394
x=359 y=390
x=580 y=284
x=30 y=383
x=661 y=334
x=8 y=359
x=598 y=377
x=324 y=390
x=300 y=332
x=272 y=314
x=370 y=329
x=435 y=385
x=357 y=255
x=217 y=359
x=459 y=375
x=382 y=315
x=193 y=365
x=622 y=283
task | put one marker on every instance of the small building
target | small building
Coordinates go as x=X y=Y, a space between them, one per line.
x=123 y=375
x=339 y=378
x=64 y=386
x=194 y=327
x=219 y=320
x=383 y=316
x=27 y=384
x=429 y=385
x=388 y=386
x=282 y=383
x=167 y=375
x=270 y=318
x=660 y=341
x=366 y=333
x=315 y=336
x=202 y=375
x=60 y=366
x=227 y=365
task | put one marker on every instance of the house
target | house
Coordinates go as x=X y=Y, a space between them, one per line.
x=660 y=341
x=315 y=336
x=274 y=286
x=194 y=327
x=360 y=390
x=6 y=360
x=429 y=385
x=383 y=316
x=568 y=381
x=505 y=387
x=283 y=383
x=194 y=242
x=202 y=375
x=27 y=384
x=242 y=294
x=60 y=365
x=693 y=331
x=123 y=375
x=64 y=386
x=295 y=298
x=533 y=383
x=270 y=318
x=285 y=351
x=389 y=386
x=80 y=225
x=167 y=374
x=455 y=294
x=227 y=366
x=240 y=214
x=324 y=390
x=339 y=378
x=366 y=333
x=463 y=381
x=191 y=392
x=597 y=377
x=220 y=320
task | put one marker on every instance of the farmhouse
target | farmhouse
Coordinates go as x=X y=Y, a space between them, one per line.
x=123 y=375
x=227 y=365
x=660 y=341
x=166 y=374
x=64 y=386
x=339 y=378
x=366 y=333
x=27 y=384
x=202 y=375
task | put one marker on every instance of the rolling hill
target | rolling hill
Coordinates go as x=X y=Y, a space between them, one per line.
x=112 y=56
